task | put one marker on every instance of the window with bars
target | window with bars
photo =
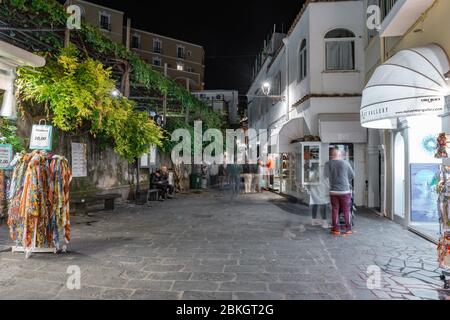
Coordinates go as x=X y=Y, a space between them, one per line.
x=105 y=21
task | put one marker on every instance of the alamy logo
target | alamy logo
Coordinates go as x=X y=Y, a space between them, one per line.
x=74 y=20
x=74 y=279
x=373 y=21
x=374 y=279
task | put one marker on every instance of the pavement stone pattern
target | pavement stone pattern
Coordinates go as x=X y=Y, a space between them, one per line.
x=207 y=246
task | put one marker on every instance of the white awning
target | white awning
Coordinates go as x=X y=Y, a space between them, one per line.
x=15 y=56
x=291 y=131
x=411 y=83
x=341 y=128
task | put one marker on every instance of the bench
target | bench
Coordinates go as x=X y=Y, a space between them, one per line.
x=82 y=203
x=153 y=195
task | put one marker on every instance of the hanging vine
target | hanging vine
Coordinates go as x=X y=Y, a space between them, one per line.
x=77 y=95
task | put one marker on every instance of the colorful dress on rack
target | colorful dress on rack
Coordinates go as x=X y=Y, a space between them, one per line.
x=39 y=200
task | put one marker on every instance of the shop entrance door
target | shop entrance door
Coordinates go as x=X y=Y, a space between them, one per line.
x=399 y=178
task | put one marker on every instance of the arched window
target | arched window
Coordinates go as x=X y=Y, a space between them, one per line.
x=340 y=50
x=302 y=61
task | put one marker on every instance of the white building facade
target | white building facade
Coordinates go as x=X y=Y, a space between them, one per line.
x=316 y=78
x=224 y=102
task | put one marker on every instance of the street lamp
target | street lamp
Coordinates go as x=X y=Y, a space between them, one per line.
x=115 y=93
x=266 y=88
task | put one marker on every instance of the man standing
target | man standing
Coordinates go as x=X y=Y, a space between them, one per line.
x=247 y=178
x=234 y=171
x=213 y=173
x=340 y=175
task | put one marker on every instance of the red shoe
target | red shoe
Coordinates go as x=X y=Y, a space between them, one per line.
x=335 y=233
x=348 y=233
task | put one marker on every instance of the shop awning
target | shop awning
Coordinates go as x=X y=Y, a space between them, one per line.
x=341 y=127
x=15 y=56
x=290 y=132
x=411 y=83
x=12 y=57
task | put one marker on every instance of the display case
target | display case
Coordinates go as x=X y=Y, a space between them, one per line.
x=311 y=162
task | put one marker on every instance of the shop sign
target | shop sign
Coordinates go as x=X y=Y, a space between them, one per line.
x=403 y=108
x=79 y=160
x=41 y=137
x=6 y=154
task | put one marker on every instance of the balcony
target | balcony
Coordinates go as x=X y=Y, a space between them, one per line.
x=400 y=15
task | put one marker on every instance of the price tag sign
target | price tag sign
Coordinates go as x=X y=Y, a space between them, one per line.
x=41 y=138
x=6 y=155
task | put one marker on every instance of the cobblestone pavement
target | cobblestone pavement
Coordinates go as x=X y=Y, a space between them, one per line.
x=205 y=246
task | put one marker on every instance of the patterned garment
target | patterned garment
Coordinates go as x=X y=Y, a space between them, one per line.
x=39 y=200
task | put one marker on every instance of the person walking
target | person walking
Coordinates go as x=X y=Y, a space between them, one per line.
x=319 y=201
x=234 y=172
x=340 y=175
x=222 y=176
x=254 y=177
x=247 y=177
x=213 y=174
x=260 y=185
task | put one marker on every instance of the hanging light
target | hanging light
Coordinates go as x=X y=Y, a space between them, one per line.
x=266 y=88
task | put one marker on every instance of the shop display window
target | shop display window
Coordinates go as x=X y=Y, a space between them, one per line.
x=311 y=161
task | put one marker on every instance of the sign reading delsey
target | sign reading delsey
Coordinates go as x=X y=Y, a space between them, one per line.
x=6 y=154
x=41 y=137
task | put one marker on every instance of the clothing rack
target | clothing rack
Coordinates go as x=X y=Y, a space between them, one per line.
x=39 y=203
x=443 y=190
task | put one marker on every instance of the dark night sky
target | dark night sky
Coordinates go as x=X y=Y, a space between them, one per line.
x=231 y=31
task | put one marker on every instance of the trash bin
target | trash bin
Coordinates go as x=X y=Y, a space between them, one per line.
x=141 y=197
x=196 y=181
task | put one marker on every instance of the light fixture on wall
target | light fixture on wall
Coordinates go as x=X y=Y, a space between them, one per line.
x=266 y=88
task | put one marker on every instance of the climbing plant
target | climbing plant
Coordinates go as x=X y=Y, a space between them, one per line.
x=77 y=96
x=8 y=135
x=52 y=13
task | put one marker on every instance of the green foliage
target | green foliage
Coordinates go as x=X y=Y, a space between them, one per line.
x=8 y=135
x=73 y=115
x=78 y=97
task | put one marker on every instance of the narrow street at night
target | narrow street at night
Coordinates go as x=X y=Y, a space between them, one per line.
x=204 y=246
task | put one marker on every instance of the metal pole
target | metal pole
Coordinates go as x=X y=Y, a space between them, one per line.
x=138 y=189
x=165 y=98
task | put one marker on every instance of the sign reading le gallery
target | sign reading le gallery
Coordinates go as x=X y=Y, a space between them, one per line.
x=399 y=108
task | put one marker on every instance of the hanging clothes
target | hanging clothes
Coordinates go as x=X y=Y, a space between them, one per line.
x=39 y=200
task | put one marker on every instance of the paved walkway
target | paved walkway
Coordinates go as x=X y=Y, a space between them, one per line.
x=205 y=246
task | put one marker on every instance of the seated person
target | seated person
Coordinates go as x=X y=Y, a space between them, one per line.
x=157 y=182
x=165 y=178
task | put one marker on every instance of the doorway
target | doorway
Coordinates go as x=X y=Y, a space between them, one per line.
x=399 y=177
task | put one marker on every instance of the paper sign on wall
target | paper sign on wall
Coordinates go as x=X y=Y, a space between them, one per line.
x=41 y=137
x=79 y=160
x=6 y=154
x=153 y=155
x=143 y=162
